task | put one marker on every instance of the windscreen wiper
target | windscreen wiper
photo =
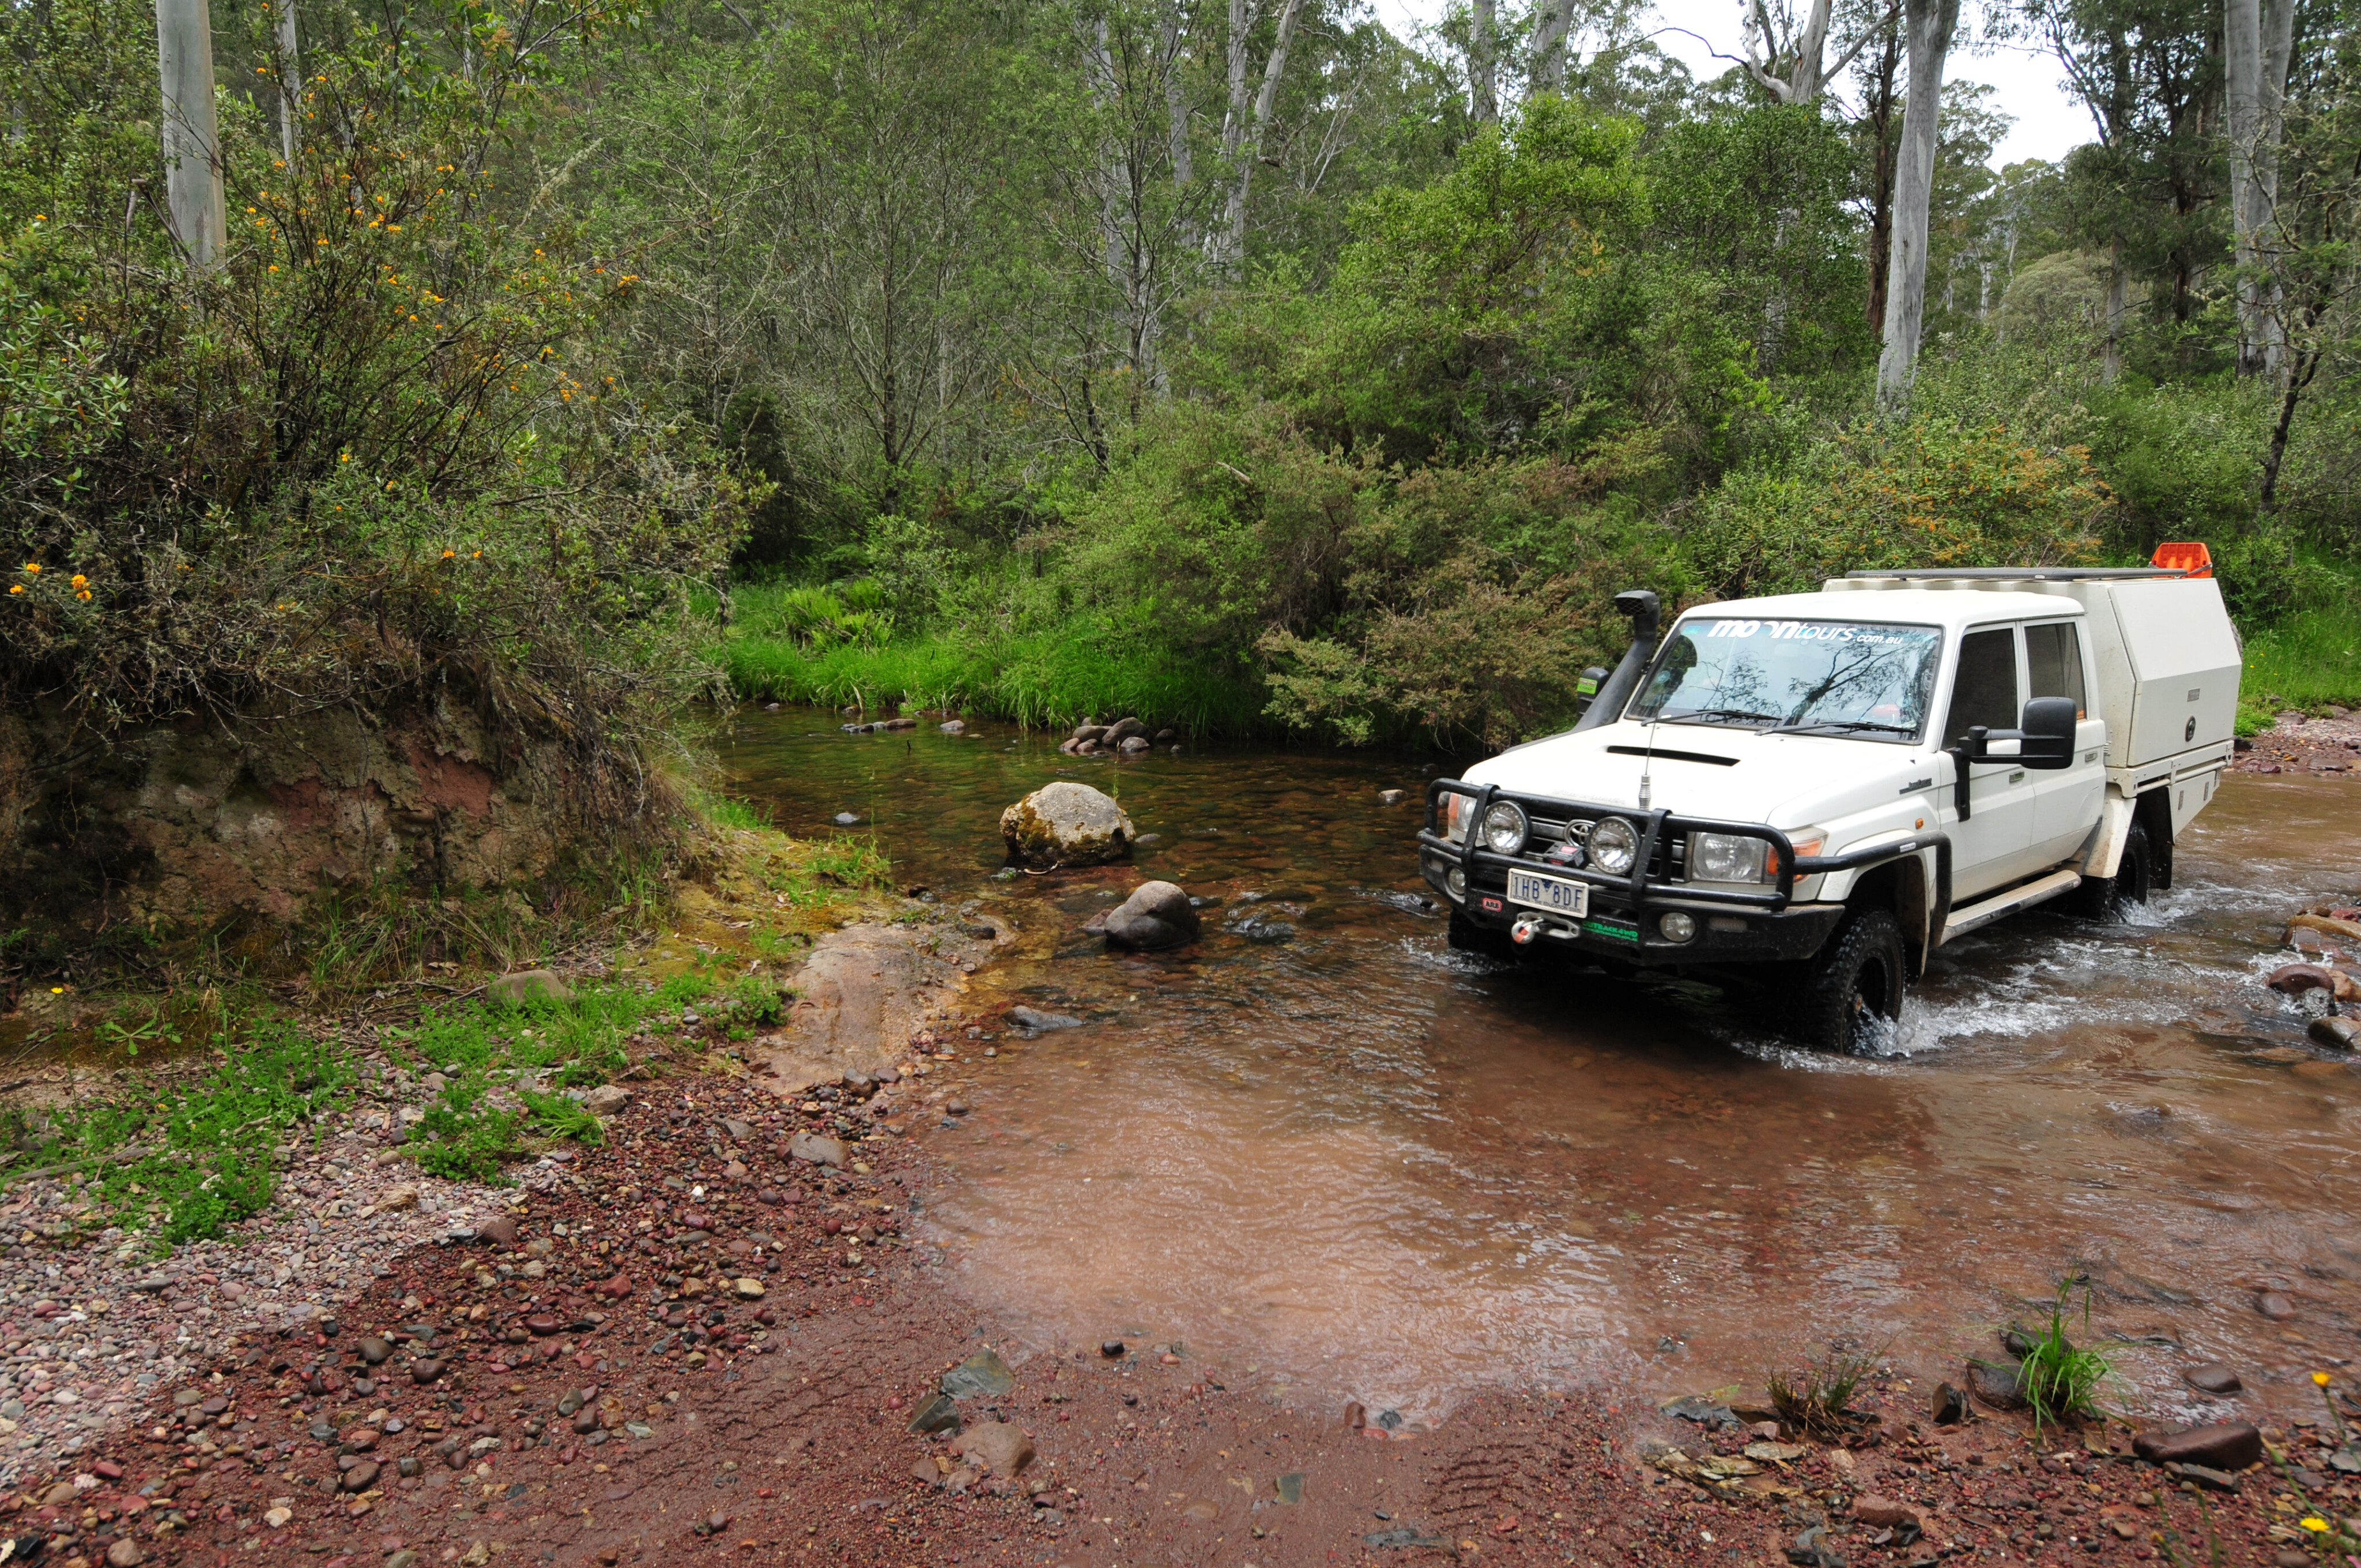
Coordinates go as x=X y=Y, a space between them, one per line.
x=1842 y=724
x=1717 y=713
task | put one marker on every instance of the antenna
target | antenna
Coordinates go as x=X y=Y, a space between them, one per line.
x=1648 y=765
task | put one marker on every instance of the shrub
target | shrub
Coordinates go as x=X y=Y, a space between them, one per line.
x=1929 y=494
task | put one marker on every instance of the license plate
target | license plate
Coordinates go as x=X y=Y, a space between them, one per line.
x=1553 y=894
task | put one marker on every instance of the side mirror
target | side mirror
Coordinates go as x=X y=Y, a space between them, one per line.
x=2045 y=741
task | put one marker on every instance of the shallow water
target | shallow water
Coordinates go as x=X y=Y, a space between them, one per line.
x=1322 y=1145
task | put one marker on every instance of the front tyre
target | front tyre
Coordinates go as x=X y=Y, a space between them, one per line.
x=1852 y=990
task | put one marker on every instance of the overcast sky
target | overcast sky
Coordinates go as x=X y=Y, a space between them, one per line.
x=2031 y=85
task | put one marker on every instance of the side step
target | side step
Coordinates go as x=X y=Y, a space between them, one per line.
x=1963 y=921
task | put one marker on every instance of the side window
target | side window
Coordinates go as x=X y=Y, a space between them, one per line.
x=2053 y=661
x=1985 y=691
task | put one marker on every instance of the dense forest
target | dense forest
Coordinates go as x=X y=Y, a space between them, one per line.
x=1235 y=362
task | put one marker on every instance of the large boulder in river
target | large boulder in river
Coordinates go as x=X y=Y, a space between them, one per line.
x=1157 y=915
x=1065 y=824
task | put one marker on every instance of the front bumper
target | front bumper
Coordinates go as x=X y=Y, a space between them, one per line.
x=1625 y=918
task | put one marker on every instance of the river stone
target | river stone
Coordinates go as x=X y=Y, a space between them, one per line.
x=2233 y=1446
x=817 y=1148
x=938 y=1414
x=2214 y=1378
x=982 y=1372
x=361 y=1476
x=1882 y=1513
x=1065 y=824
x=1122 y=730
x=1003 y=1449
x=1032 y=1018
x=1157 y=915
x=2336 y=1034
x=2274 y=1306
x=1133 y=745
x=606 y=1100
x=1999 y=1385
x=953 y=726
x=532 y=985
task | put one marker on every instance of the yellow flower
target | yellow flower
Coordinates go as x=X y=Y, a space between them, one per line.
x=32 y=568
x=2320 y=1379
x=15 y=587
x=83 y=594
x=344 y=457
x=447 y=554
x=80 y=581
x=2316 y=1525
x=57 y=991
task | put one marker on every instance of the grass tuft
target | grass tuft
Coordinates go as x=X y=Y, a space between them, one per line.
x=1816 y=1398
x=2061 y=1379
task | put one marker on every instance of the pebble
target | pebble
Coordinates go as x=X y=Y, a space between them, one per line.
x=845 y=819
x=2275 y=1306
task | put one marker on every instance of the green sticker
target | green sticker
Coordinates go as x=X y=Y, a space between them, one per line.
x=1620 y=933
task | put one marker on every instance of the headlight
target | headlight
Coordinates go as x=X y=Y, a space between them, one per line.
x=1614 y=844
x=1505 y=827
x=1728 y=857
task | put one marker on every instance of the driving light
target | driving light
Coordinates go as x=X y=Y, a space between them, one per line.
x=1454 y=881
x=1677 y=926
x=1727 y=857
x=1614 y=844
x=1505 y=827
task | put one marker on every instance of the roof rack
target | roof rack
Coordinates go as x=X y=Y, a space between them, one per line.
x=2022 y=574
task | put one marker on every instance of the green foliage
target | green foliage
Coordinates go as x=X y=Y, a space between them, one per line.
x=374 y=449
x=2310 y=657
x=1928 y=494
x=185 y=1163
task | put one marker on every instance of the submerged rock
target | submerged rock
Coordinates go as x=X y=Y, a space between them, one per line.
x=1065 y=824
x=1158 y=915
x=2214 y=1378
x=1032 y=1018
x=2336 y=1034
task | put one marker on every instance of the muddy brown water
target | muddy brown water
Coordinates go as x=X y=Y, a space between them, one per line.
x=1322 y=1147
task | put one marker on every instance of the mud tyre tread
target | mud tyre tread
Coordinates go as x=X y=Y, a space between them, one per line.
x=1859 y=973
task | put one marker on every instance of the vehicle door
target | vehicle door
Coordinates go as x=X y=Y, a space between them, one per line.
x=1994 y=845
x=2065 y=802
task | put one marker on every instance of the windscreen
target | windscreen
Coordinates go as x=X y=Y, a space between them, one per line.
x=1833 y=678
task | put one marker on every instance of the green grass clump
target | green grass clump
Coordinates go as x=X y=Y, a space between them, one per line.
x=1045 y=680
x=537 y=1049
x=2310 y=661
x=185 y=1163
x=2061 y=1379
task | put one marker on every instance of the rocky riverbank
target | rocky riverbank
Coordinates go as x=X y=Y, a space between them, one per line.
x=2299 y=743
x=717 y=1333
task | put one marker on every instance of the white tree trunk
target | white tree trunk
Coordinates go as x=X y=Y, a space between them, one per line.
x=1547 y=73
x=185 y=59
x=290 y=83
x=1927 y=28
x=1242 y=131
x=1807 y=73
x=1483 y=63
x=2242 y=83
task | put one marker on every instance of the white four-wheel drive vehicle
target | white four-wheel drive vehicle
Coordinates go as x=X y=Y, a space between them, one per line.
x=1839 y=783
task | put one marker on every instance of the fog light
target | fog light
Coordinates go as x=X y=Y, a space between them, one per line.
x=1456 y=882
x=1677 y=926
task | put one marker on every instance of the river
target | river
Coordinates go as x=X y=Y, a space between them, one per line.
x=1322 y=1145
